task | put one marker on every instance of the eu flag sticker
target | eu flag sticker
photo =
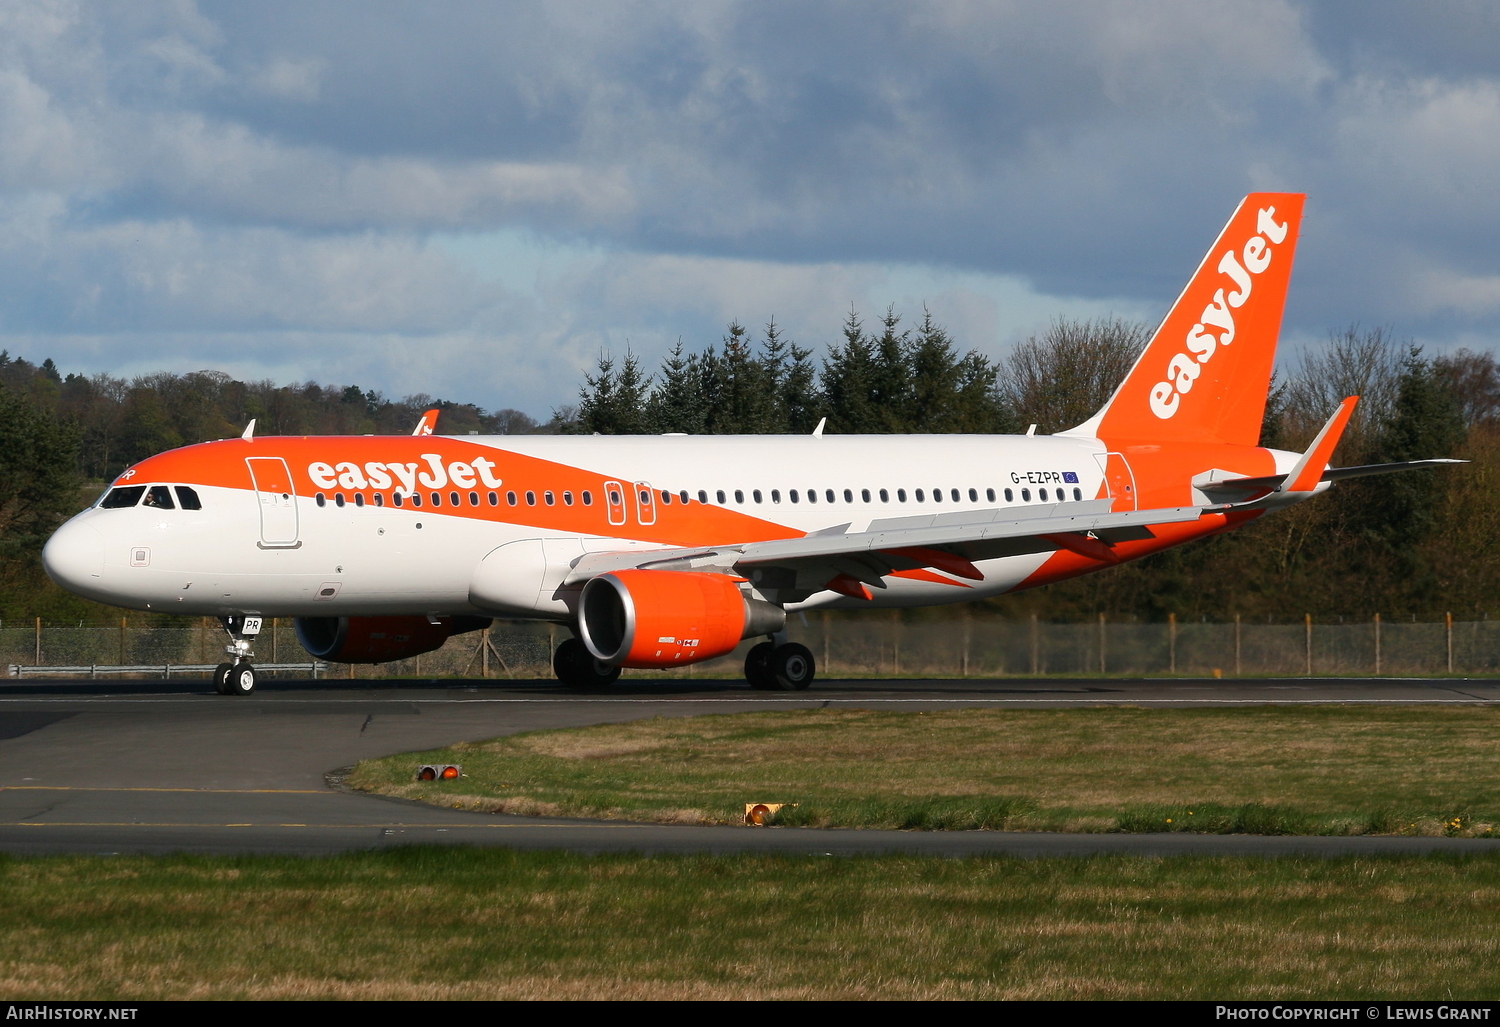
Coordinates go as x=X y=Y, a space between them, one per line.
x=1071 y=477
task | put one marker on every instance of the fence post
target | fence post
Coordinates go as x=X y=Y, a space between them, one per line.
x=1448 y=625
x=1236 y=645
x=968 y=624
x=1035 y=661
x=1172 y=643
x=274 y=622
x=1377 y=643
x=896 y=643
x=484 y=652
x=38 y=641
x=827 y=630
x=1101 y=642
x=121 y=661
x=1307 y=641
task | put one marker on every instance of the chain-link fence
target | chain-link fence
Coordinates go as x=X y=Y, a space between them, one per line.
x=874 y=644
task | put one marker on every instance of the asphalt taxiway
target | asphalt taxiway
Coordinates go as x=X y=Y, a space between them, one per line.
x=169 y=766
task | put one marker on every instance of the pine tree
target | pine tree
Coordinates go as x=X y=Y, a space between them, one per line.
x=613 y=403
x=849 y=381
x=790 y=372
x=1427 y=422
x=677 y=403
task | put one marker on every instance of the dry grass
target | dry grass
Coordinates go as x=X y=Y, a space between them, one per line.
x=1324 y=769
x=469 y=924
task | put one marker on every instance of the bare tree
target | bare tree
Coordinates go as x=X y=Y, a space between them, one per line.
x=1474 y=379
x=1363 y=362
x=1060 y=380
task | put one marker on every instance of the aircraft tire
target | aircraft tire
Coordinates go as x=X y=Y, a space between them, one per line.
x=758 y=666
x=241 y=680
x=792 y=667
x=221 y=678
x=576 y=667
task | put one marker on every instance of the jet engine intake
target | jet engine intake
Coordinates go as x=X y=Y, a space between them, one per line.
x=637 y=618
x=379 y=639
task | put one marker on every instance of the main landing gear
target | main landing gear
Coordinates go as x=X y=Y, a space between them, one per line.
x=574 y=665
x=787 y=667
x=238 y=676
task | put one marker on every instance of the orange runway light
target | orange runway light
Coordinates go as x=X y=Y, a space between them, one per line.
x=439 y=772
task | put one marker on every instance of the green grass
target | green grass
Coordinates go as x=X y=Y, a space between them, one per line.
x=1265 y=770
x=466 y=923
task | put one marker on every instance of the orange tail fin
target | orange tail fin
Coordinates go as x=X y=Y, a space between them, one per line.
x=1205 y=374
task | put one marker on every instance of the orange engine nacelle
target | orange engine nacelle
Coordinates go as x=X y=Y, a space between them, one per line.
x=379 y=639
x=668 y=618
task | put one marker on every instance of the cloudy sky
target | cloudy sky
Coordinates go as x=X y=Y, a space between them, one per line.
x=474 y=199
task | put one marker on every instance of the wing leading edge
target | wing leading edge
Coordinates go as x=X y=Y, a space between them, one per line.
x=846 y=561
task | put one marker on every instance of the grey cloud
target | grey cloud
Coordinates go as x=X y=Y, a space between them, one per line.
x=230 y=167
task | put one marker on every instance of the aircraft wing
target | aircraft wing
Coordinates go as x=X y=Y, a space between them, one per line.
x=847 y=561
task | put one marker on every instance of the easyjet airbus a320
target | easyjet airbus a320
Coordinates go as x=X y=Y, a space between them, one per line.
x=664 y=551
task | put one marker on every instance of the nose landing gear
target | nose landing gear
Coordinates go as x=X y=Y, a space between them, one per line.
x=238 y=676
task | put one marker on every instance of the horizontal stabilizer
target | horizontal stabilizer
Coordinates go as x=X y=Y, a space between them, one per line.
x=1271 y=482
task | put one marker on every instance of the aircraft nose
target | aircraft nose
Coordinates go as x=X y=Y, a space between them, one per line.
x=74 y=557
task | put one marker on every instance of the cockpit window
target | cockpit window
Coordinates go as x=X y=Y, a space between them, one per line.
x=121 y=497
x=188 y=499
x=160 y=497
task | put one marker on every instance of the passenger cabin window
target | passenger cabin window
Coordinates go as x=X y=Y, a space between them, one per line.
x=359 y=499
x=120 y=498
x=379 y=499
x=1041 y=494
x=953 y=494
x=885 y=497
x=567 y=499
x=453 y=499
x=937 y=495
x=900 y=495
x=666 y=498
x=989 y=495
x=159 y=496
x=739 y=497
x=754 y=494
x=338 y=499
x=416 y=499
x=919 y=496
x=510 y=498
x=549 y=498
x=531 y=499
x=775 y=495
x=397 y=497
x=849 y=496
x=719 y=495
x=792 y=495
x=683 y=495
x=1026 y=495
x=703 y=496
x=1010 y=497
x=588 y=498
